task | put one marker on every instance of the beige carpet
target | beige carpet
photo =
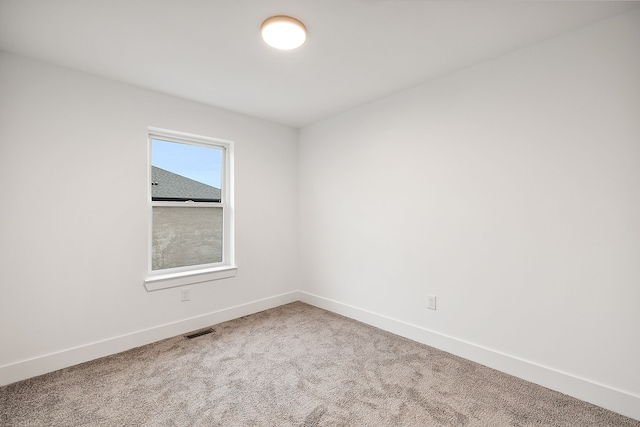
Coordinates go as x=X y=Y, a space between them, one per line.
x=294 y=365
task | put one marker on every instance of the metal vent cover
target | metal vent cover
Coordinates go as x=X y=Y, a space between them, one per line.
x=199 y=333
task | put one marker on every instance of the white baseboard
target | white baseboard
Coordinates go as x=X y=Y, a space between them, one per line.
x=601 y=395
x=51 y=362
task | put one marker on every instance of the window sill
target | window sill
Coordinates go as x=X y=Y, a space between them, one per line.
x=154 y=283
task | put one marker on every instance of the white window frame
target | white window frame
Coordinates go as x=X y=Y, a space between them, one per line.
x=188 y=275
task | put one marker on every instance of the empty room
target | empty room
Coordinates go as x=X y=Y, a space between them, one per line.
x=400 y=213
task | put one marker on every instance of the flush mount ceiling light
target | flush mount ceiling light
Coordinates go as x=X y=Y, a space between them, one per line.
x=283 y=32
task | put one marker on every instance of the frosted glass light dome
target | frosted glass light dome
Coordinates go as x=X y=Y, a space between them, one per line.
x=283 y=32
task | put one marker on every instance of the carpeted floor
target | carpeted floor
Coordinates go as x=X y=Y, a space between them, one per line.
x=294 y=365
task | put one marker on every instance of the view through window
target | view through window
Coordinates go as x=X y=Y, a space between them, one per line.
x=188 y=203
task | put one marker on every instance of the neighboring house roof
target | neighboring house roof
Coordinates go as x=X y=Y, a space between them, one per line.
x=168 y=185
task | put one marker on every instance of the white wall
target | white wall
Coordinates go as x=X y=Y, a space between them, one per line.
x=511 y=191
x=73 y=252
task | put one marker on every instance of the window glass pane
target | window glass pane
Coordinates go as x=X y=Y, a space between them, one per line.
x=185 y=236
x=182 y=172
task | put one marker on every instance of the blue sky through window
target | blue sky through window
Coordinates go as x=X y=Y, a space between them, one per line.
x=202 y=164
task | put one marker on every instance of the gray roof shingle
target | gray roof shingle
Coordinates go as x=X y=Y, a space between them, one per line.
x=168 y=185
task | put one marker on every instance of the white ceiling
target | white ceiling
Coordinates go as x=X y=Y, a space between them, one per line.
x=210 y=50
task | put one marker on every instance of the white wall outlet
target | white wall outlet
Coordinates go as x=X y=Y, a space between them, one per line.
x=431 y=302
x=185 y=295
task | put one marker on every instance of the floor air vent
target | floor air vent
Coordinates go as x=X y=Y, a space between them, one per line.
x=199 y=333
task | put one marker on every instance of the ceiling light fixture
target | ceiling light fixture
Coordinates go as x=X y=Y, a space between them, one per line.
x=283 y=32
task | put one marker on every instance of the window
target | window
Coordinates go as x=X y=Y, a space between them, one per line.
x=190 y=209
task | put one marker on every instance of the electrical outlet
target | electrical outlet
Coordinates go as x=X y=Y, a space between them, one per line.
x=431 y=302
x=185 y=295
